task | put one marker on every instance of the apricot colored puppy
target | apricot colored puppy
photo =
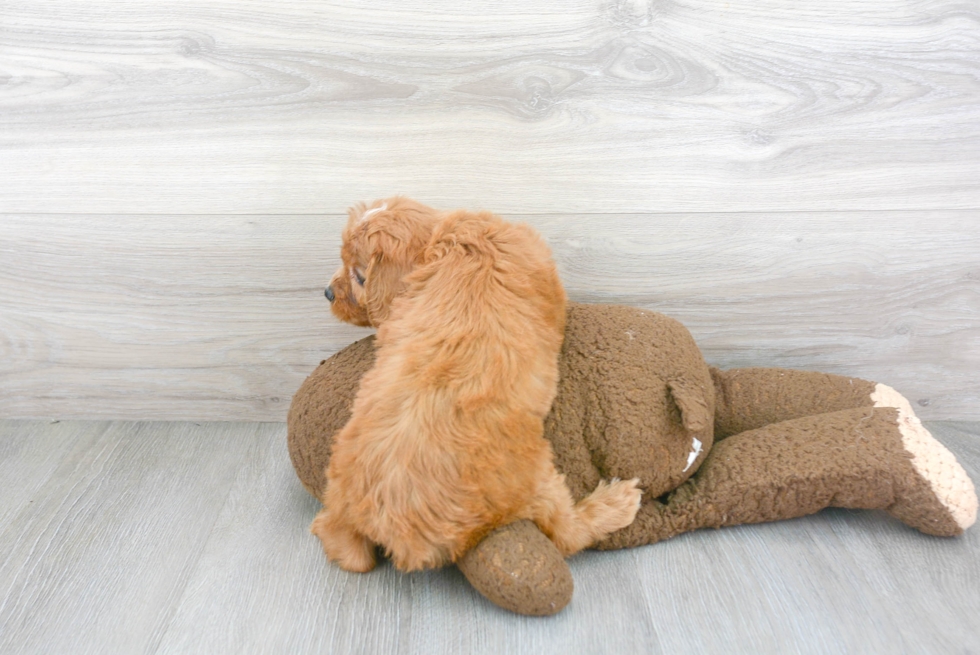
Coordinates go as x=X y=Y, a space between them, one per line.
x=445 y=440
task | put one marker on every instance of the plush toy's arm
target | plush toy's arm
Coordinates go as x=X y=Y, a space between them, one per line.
x=519 y=569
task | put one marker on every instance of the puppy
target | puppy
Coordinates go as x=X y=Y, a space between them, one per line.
x=445 y=441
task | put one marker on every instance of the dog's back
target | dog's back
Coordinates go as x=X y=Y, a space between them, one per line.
x=484 y=313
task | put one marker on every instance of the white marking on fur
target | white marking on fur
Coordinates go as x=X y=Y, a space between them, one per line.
x=366 y=214
x=693 y=455
x=931 y=459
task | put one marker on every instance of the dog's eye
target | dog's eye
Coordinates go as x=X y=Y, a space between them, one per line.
x=358 y=276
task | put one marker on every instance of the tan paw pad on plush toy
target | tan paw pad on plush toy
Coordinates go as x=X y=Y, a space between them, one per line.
x=947 y=480
x=710 y=448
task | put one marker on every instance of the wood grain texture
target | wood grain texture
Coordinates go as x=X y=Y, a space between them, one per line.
x=104 y=548
x=215 y=317
x=264 y=583
x=521 y=105
x=174 y=537
x=30 y=453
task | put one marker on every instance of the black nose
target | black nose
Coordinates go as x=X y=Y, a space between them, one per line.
x=329 y=293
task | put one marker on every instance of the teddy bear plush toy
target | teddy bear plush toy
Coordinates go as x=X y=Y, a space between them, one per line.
x=711 y=448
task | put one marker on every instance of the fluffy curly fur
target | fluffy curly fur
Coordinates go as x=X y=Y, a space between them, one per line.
x=445 y=439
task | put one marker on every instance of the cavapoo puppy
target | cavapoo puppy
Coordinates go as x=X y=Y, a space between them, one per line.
x=445 y=442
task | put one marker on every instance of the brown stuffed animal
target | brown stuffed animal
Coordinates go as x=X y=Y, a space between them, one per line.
x=711 y=448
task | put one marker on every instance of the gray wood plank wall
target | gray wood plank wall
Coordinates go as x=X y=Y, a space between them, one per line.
x=798 y=183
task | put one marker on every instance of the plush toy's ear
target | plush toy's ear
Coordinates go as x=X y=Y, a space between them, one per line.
x=690 y=399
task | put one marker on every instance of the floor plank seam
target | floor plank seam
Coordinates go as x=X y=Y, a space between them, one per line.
x=158 y=636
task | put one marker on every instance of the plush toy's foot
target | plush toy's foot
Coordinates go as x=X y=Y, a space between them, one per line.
x=943 y=500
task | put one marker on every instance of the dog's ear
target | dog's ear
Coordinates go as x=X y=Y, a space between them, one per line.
x=391 y=238
x=389 y=264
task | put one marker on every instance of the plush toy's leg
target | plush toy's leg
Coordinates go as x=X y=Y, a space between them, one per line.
x=876 y=457
x=342 y=543
x=750 y=398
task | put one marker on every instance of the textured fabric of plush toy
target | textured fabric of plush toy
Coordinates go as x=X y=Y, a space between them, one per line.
x=321 y=407
x=711 y=448
x=852 y=458
x=750 y=398
x=519 y=569
x=635 y=399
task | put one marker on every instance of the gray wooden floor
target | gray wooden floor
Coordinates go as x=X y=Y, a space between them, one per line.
x=120 y=537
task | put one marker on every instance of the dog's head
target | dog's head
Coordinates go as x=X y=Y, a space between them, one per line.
x=383 y=242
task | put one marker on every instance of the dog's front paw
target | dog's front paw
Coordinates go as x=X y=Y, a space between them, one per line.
x=614 y=504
